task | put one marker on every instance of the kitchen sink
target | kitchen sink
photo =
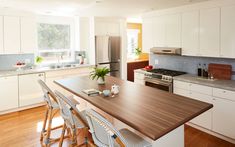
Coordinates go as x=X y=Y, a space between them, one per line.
x=206 y=79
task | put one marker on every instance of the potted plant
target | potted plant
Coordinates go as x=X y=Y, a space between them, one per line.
x=38 y=60
x=137 y=52
x=99 y=74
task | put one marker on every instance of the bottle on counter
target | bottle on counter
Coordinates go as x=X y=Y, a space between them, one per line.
x=205 y=71
x=199 y=70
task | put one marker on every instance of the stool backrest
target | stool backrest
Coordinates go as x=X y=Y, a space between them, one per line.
x=49 y=95
x=69 y=111
x=103 y=132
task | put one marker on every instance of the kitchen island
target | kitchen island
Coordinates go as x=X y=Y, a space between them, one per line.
x=156 y=114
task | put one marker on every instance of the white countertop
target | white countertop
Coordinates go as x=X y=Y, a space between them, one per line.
x=37 y=70
x=223 y=84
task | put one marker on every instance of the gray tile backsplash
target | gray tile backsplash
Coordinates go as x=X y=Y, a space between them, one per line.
x=7 y=61
x=186 y=63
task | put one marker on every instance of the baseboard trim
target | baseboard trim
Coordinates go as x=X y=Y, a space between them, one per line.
x=22 y=108
x=212 y=133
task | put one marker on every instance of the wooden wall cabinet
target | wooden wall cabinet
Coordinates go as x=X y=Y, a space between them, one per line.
x=131 y=66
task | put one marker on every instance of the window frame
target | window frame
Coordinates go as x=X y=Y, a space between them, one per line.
x=59 y=20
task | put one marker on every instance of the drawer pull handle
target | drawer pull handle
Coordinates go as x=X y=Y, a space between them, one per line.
x=224 y=91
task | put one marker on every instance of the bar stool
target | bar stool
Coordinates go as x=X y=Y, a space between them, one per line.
x=74 y=119
x=105 y=135
x=52 y=109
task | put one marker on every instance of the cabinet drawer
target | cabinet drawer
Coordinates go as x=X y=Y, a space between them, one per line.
x=226 y=94
x=139 y=76
x=138 y=81
x=181 y=92
x=181 y=84
x=201 y=89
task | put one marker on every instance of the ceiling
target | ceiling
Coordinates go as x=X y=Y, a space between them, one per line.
x=124 y=8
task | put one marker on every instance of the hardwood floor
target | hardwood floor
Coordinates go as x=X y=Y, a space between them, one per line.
x=22 y=129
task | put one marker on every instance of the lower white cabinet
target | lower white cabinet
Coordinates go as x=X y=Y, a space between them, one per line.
x=139 y=78
x=9 y=93
x=220 y=118
x=205 y=119
x=30 y=91
x=223 y=117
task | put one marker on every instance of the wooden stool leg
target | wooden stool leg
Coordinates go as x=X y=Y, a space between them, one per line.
x=62 y=135
x=47 y=139
x=44 y=124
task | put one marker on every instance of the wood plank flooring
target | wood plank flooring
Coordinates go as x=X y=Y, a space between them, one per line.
x=22 y=129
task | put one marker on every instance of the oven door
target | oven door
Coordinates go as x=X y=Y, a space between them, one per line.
x=159 y=84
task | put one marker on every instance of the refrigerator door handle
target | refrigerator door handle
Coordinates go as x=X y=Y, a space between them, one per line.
x=109 y=49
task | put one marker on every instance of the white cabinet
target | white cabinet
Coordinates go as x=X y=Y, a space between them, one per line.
x=159 y=31
x=166 y=31
x=197 y=92
x=228 y=32
x=205 y=119
x=173 y=30
x=1 y=35
x=190 y=33
x=28 y=35
x=147 y=29
x=30 y=91
x=139 y=78
x=9 y=93
x=210 y=32
x=223 y=117
x=11 y=34
x=111 y=28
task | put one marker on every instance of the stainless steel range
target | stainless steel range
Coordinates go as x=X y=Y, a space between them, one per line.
x=161 y=78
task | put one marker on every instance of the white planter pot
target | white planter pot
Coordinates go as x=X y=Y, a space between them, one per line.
x=101 y=81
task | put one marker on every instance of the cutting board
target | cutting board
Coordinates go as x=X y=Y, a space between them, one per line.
x=220 y=71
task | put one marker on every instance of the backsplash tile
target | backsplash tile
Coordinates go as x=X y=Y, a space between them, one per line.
x=186 y=63
x=7 y=61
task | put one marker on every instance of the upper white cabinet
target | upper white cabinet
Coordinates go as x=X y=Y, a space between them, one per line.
x=11 y=35
x=210 y=32
x=158 y=31
x=111 y=28
x=173 y=30
x=9 y=93
x=30 y=91
x=228 y=32
x=190 y=33
x=1 y=35
x=28 y=35
x=147 y=34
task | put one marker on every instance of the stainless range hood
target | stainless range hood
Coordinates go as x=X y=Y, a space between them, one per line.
x=166 y=50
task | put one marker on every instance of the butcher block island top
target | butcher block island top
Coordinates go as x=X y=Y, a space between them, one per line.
x=150 y=111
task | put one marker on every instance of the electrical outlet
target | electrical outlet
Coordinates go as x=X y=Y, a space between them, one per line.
x=156 y=61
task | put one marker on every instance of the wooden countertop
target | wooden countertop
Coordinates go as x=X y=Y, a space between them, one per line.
x=137 y=60
x=150 y=111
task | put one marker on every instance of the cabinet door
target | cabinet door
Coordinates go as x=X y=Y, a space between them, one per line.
x=147 y=28
x=1 y=35
x=173 y=30
x=190 y=33
x=30 y=91
x=210 y=32
x=113 y=28
x=205 y=119
x=9 y=93
x=11 y=34
x=223 y=117
x=228 y=32
x=100 y=28
x=28 y=35
x=159 y=31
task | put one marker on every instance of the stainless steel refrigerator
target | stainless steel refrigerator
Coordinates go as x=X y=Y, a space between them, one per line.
x=108 y=51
